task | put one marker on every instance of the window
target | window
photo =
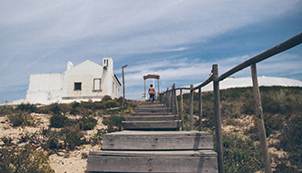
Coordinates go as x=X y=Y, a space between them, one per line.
x=78 y=86
x=97 y=85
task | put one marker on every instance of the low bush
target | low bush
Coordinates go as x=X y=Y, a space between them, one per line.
x=65 y=108
x=240 y=155
x=87 y=105
x=6 y=110
x=26 y=107
x=291 y=141
x=114 y=121
x=58 y=121
x=73 y=136
x=106 y=98
x=98 y=105
x=87 y=123
x=55 y=108
x=25 y=160
x=111 y=104
x=21 y=118
x=272 y=123
x=53 y=143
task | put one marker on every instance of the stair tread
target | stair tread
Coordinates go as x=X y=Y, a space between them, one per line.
x=186 y=153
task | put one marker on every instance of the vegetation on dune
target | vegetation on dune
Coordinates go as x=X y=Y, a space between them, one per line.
x=63 y=133
x=282 y=108
x=26 y=159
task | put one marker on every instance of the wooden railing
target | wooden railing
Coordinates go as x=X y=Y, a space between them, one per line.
x=170 y=99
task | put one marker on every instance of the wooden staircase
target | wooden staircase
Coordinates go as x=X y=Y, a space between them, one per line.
x=151 y=143
x=152 y=116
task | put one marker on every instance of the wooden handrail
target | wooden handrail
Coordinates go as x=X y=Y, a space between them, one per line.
x=215 y=78
x=290 y=43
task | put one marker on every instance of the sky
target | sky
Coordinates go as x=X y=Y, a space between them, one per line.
x=178 y=39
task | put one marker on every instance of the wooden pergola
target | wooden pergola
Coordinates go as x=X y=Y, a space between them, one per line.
x=151 y=76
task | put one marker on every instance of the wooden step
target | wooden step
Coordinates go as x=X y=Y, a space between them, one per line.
x=151 y=114
x=153 y=106
x=151 y=110
x=152 y=118
x=152 y=125
x=150 y=161
x=158 y=140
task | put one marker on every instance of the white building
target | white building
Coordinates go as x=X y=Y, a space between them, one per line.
x=85 y=81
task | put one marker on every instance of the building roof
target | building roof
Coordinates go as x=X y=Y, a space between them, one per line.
x=117 y=80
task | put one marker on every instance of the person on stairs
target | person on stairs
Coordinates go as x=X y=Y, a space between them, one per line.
x=151 y=93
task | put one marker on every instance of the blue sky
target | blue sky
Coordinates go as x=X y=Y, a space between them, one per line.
x=178 y=39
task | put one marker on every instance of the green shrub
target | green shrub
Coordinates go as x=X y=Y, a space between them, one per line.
x=87 y=123
x=25 y=160
x=26 y=107
x=22 y=119
x=240 y=155
x=65 y=108
x=58 y=121
x=106 y=98
x=54 y=108
x=86 y=105
x=111 y=104
x=74 y=104
x=120 y=100
x=74 y=111
x=291 y=141
x=248 y=107
x=73 y=136
x=114 y=121
x=98 y=105
x=271 y=122
x=52 y=144
x=6 y=110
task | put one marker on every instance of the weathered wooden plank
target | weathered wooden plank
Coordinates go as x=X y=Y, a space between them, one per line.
x=149 y=113
x=151 y=110
x=157 y=141
x=140 y=125
x=176 y=153
x=154 y=105
x=152 y=118
x=148 y=162
x=178 y=133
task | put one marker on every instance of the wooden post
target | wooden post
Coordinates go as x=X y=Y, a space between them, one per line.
x=176 y=103
x=145 y=90
x=123 y=104
x=260 y=122
x=168 y=98
x=217 y=115
x=200 y=108
x=158 y=89
x=181 y=108
x=191 y=106
x=173 y=99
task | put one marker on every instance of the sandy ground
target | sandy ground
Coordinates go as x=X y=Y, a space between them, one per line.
x=64 y=161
